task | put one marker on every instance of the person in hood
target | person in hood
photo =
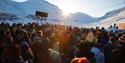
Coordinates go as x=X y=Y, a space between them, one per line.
x=84 y=51
x=99 y=55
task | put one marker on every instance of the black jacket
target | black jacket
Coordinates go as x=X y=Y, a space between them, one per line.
x=118 y=55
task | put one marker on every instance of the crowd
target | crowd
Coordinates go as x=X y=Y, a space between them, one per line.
x=52 y=43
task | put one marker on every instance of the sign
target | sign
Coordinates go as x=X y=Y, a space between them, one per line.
x=41 y=14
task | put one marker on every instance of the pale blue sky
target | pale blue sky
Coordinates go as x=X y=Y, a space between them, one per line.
x=95 y=8
x=20 y=0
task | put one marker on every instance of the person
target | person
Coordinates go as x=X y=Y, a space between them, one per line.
x=118 y=55
x=84 y=51
x=90 y=37
x=55 y=56
x=26 y=52
x=113 y=28
x=12 y=54
x=99 y=55
x=103 y=38
x=40 y=49
x=108 y=50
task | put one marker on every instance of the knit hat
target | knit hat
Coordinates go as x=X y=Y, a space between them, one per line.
x=83 y=60
x=80 y=60
x=122 y=39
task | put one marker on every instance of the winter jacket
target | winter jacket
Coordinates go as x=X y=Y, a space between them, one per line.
x=90 y=37
x=98 y=55
x=118 y=55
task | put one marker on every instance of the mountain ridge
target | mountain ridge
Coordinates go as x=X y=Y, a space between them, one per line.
x=78 y=19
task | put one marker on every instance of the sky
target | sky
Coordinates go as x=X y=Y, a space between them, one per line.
x=19 y=0
x=95 y=8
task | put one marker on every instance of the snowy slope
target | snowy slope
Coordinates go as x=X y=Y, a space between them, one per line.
x=79 y=19
x=7 y=6
x=116 y=16
x=29 y=7
x=55 y=14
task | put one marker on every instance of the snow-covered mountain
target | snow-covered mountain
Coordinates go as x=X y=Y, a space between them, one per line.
x=79 y=19
x=116 y=16
x=29 y=7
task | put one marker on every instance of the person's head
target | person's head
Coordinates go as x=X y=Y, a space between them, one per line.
x=84 y=46
x=21 y=35
x=114 y=24
x=102 y=28
x=116 y=27
x=40 y=33
x=111 y=26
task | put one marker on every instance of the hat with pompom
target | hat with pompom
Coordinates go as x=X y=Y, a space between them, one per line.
x=80 y=60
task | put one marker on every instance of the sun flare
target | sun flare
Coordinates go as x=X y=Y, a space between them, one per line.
x=67 y=6
x=66 y=13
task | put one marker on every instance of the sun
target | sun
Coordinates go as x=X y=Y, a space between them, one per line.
x=67 y=6
x=66 y=13
x=20 y=0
